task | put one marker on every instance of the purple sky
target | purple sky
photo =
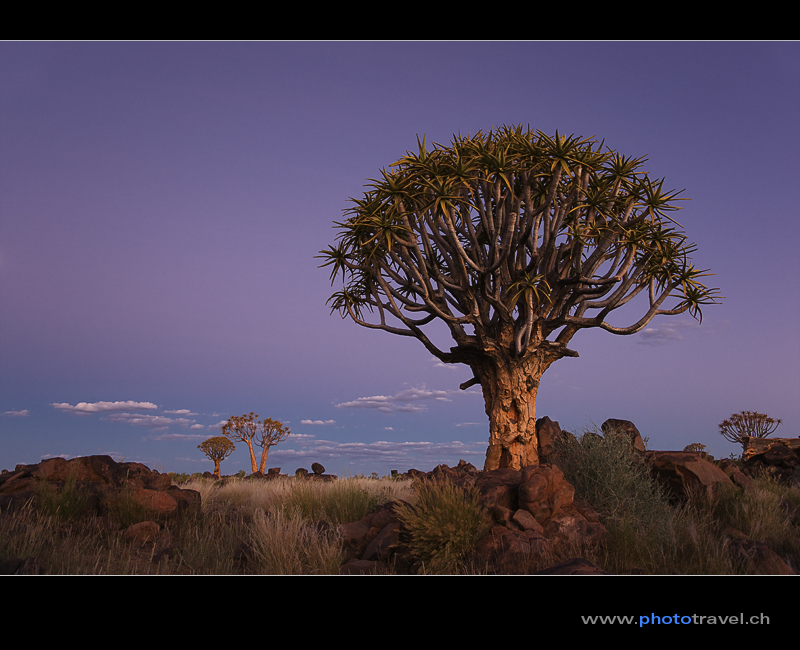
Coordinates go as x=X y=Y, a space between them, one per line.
x=161 y=205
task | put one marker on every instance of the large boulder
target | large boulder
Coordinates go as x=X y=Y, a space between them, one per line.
x=685 y=474
x=778 y=459
x=626 y=427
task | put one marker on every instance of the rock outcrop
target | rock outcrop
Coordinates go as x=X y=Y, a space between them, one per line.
x=779 y=456
x=102 y=481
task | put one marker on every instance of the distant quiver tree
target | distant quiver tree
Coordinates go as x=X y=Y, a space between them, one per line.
x=515 y=240
x=217 y=449
x=748 y=424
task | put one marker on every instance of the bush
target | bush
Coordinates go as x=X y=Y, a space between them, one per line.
x=445 y=523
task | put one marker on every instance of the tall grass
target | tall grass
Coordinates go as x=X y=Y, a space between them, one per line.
x=289 y=544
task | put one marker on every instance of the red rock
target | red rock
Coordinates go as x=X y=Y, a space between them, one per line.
x=685 y=474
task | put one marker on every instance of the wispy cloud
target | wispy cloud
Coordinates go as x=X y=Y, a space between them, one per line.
x=318 y=422
x=17 y=414
x=102 y=407
x=405 y=454
x=666 y=332
x=181 y=412
x=179 y=436
x=156 y=422
x=401 y=401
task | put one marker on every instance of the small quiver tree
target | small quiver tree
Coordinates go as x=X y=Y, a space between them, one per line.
x=217 y=449
x=747 y=424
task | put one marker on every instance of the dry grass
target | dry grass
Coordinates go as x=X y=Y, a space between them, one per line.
x=245 y=527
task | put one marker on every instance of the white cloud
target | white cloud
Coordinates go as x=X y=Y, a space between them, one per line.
x=471 y=424
x=318 y=422
x=181 y=412
x=102 y=407
x=18 y=414
x=399 y=402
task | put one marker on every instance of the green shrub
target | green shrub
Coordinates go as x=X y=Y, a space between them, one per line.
x=606 y=472
x=445 y=523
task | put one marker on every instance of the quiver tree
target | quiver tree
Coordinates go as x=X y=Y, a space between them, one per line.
x=740 y=426
x=217 y=449
x=251 y=431
x=515 y=241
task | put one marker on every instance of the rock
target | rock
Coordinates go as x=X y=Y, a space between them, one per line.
x=575 y=567
x=778 y=459
x=359 y=567
x=752 y=446
x=626 y=427
x=155 y=501
x=685 y=474
x=759 y=558
x=317 y=468
x=380 y=546
x=505 y=551
x=498 y=487
x=21 y=567
x=547 y=433
x=543 y=491
x=141 y=533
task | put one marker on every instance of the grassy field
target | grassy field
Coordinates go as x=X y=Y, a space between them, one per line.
x=290 y=526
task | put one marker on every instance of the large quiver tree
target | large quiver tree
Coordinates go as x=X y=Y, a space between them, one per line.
x=515 y=240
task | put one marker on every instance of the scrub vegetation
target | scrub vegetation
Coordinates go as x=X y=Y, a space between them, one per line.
x=291 y=525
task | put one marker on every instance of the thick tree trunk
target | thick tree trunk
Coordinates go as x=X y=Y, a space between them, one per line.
x=263 y=463
x=216 y=469
x=252 y=455
x=509 y=385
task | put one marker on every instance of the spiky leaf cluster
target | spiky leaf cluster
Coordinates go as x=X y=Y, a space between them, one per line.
x=511 y=230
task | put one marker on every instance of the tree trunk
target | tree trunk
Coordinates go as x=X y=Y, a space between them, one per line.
x=252 y=455
x=216 y=468
x=263 y=463
x=509 y=385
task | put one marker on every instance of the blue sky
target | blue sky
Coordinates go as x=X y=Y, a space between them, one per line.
x=161 y=205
